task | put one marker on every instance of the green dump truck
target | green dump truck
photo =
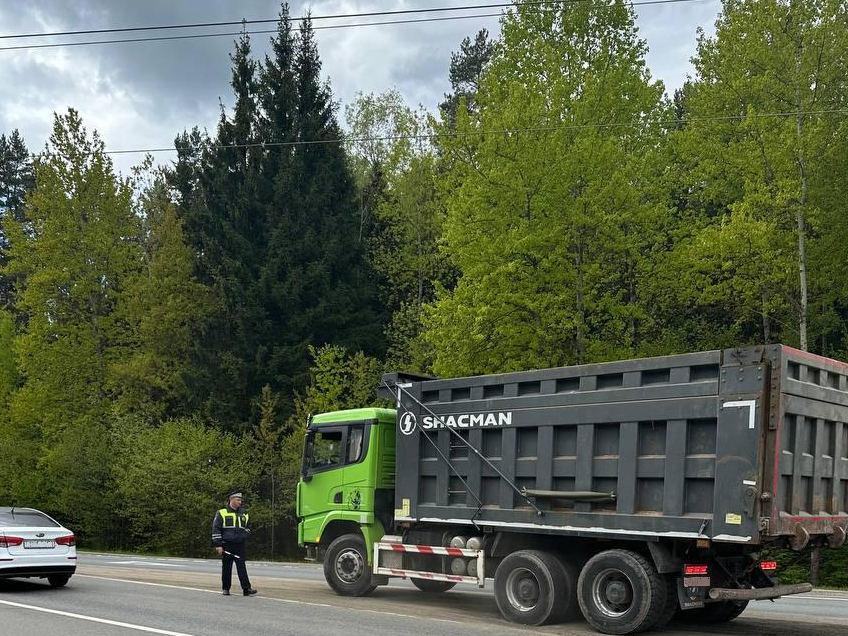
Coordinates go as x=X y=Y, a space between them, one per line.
x=625 y=492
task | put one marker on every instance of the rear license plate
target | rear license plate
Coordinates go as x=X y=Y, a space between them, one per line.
x=40 y=543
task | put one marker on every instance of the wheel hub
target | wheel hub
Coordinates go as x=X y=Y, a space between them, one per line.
x=522 y=589
x=616 y=592
x=612 y=593
x=349 y=566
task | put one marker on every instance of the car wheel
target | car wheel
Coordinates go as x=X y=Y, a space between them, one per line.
x=58 y=581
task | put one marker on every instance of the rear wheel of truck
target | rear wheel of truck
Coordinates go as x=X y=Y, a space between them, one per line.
x=671 y=603
x=535 y=588
x=721 y=612
x=620 y=592
x=432 y=587
x=346 y=566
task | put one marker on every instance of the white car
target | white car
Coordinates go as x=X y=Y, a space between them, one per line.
x=34 y=545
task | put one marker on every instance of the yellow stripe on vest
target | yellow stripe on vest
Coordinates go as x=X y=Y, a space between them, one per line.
x=233 y=520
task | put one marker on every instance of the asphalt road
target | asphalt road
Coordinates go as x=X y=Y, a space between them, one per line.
x=115 y=595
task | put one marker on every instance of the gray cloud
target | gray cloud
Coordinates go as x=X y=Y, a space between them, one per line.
x=141 y=95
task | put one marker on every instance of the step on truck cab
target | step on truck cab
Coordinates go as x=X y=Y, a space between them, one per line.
x=627 y=491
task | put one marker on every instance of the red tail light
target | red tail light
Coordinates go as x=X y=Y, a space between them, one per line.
x=695 y=570
x=69 y=540
x=7 y=542
x=768 y=566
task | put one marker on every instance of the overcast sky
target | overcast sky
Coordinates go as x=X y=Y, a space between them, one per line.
x=141 y=95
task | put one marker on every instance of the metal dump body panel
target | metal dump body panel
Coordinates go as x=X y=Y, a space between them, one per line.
x=685 y=443
x=807 y=471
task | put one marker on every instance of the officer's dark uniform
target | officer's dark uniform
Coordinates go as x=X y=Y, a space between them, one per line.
x=230 y=531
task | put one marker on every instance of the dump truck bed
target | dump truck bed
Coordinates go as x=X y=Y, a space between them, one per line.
x=741 y=445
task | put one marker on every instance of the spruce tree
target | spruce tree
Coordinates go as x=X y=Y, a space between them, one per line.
x=15 y=181
x=316 y=274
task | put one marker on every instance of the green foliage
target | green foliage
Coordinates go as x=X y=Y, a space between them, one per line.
x=76 y=253
x=171 y=479
x=549 y=244
x=768 y=60
x=275 y=232
x=338 y=380
x=9 y=376
x=164 y=305
x=467 y=68
x=397 y=170
x=15 y=181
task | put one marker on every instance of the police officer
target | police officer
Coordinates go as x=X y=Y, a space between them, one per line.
x=229 y=533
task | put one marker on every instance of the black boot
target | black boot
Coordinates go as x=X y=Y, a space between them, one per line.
x=249 y=592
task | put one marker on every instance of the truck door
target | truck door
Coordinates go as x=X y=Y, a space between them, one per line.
x=324 y=471
x=358 y=475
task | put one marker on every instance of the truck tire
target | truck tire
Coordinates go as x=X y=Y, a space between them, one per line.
x=346 y=566
x=432 y=587
x=535 y=588
x=671 y=604
x=721 y=612
x=620 y=592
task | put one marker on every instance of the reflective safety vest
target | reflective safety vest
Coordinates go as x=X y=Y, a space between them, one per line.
x=233 y=519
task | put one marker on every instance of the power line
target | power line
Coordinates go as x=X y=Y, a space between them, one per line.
x=316 y=28
x=235 y=33
x=484 y=133
x=339 y=16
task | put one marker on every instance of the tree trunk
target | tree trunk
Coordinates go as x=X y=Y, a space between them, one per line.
x=766 y=321
x=802 y=270
x=802 y=201
x=581 y=317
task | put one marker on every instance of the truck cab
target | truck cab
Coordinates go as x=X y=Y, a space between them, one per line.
x=345 y=495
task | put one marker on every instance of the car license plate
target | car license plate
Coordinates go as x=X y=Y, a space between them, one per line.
x=40 y=543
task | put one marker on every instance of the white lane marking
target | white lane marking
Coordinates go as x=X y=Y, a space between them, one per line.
x=164 y=565
x=795 y=597
x=175 y=587
x=94 y=619
x=279 y=600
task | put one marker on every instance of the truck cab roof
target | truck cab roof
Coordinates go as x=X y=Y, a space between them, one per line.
x=354 y=415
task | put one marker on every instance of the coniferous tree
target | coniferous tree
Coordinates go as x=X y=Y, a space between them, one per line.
x=15 y=181
x=269 y=209
x=466 y=72
x=217 y=185
x=316 y=273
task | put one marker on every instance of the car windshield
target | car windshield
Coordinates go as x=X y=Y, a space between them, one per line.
x=26 y=518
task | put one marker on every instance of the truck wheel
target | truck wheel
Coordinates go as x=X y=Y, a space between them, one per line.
x=620 y=592
x=346 y=566
x=671 y=604
x=58 y=580
x=534 y=588
x=432 y=587
x=721 y=612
